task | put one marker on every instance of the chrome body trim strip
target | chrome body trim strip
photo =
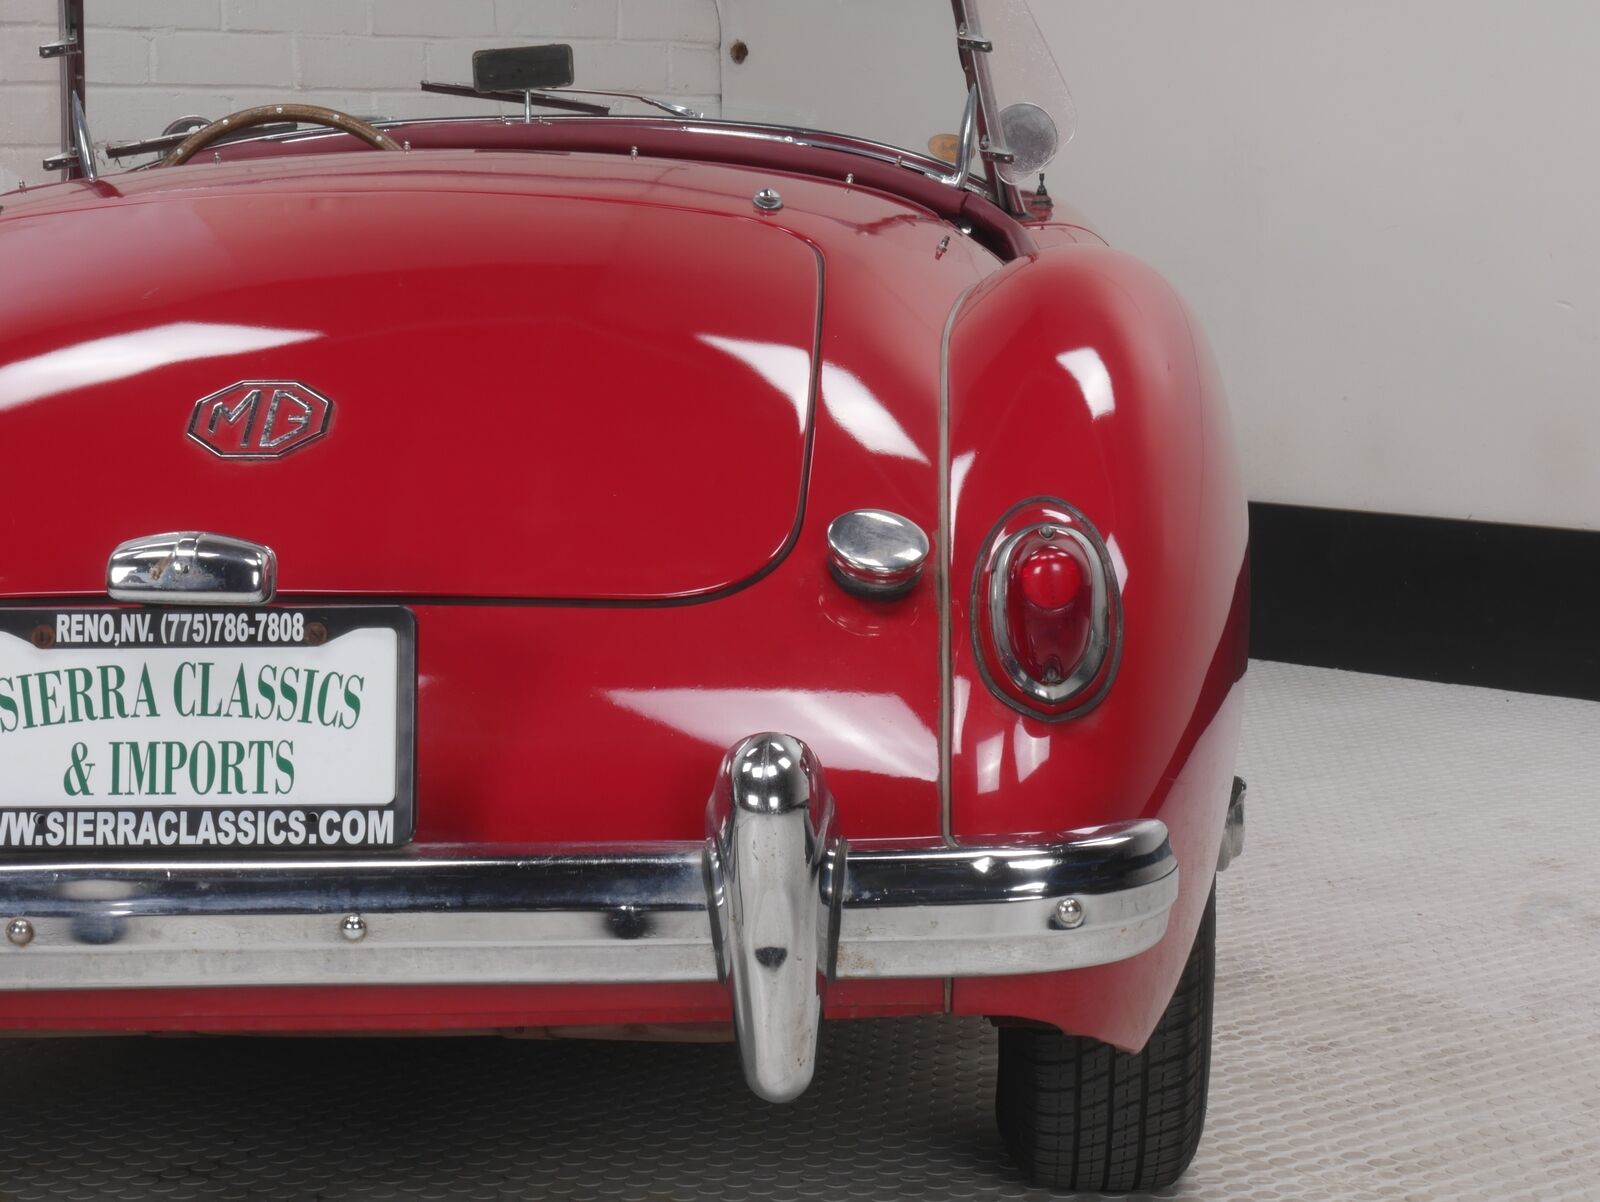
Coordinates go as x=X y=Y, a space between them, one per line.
x=944 y=565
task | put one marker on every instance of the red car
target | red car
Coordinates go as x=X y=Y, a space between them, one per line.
x=413 y=524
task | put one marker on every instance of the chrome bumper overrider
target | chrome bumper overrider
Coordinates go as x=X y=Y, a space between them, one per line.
x=773 y=903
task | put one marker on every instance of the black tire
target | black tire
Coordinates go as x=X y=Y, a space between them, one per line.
x=1077 y=1114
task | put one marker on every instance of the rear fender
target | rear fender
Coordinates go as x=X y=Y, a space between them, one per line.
x=1079 y=375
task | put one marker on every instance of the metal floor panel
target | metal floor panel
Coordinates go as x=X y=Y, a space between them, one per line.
x=1407 y=1008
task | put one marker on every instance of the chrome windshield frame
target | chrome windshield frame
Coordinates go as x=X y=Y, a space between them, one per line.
x=76 y=158
x=926 y=165
x=974 y=49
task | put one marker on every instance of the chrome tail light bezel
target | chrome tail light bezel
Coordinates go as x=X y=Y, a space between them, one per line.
x=1087 y=684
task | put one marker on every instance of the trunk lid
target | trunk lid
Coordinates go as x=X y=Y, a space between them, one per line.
x=534 y=396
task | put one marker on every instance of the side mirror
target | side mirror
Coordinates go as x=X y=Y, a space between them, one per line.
x=522 y=68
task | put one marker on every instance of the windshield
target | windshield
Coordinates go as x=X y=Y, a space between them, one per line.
x=967 y=86
x=890 y=71
x=1029 y=102
x=895 y=72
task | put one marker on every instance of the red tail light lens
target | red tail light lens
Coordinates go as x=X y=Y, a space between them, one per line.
x=1049 y=612
x=1048 y=609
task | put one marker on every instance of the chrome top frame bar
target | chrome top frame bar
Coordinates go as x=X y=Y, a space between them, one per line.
x=162 y=143
x=793 y=135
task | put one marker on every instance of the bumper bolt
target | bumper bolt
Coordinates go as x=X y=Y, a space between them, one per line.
x=1069 y=913
x=20 y=931
x=353 y=928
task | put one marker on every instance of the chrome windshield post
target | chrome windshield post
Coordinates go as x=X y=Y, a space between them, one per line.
x=974 y=49
x=76 y=160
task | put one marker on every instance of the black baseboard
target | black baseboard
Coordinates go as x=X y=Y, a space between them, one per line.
x=1507 y=607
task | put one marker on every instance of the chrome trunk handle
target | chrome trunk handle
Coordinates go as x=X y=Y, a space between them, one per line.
x=192 y=567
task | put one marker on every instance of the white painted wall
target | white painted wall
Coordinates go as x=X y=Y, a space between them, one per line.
x=1387 y=213
x=151 y=61
x=1383 y=210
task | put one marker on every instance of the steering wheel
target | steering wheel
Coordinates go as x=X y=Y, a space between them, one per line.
x=309 y=114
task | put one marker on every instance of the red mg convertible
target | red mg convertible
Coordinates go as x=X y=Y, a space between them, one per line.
x=588 y=573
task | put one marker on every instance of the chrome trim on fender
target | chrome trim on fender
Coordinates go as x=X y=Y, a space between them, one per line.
x=192 y=567
x=943 y=566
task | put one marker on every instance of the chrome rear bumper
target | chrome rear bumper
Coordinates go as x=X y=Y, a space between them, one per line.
x=773 y=903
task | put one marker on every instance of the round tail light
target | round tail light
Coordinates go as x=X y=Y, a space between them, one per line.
x=1048 y=612
x=1049 y=608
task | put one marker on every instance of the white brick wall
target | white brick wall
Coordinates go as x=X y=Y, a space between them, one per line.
x=151 y=61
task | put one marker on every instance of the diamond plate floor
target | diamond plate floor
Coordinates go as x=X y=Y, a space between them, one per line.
x=1408 y=976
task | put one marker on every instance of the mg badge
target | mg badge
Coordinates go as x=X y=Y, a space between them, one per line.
x=260 y=419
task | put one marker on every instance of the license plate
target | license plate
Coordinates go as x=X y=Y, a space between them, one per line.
x=273 y=729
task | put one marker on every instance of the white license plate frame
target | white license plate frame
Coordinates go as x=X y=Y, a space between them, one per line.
x=77 y=826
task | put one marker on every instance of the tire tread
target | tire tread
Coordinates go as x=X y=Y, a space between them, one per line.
x=1078 y=1114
